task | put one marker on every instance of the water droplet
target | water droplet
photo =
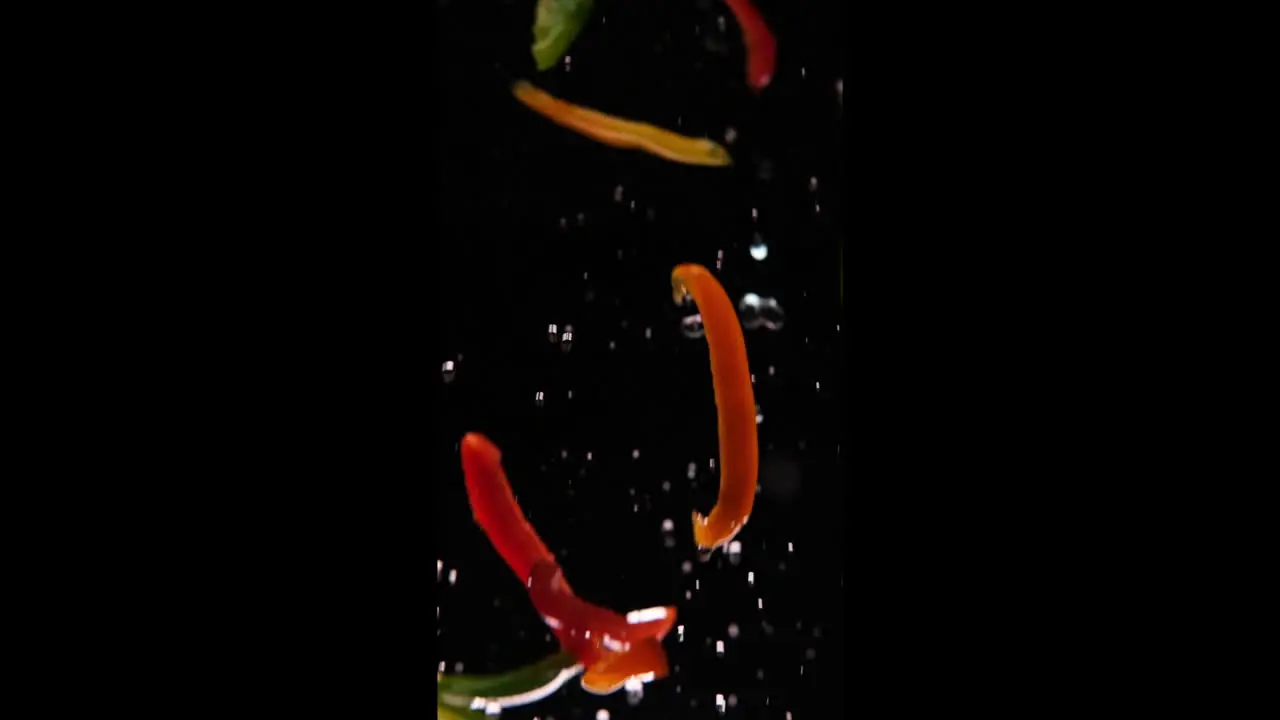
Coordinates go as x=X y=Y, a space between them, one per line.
x=539 y=398
x=817 y=209
x=691 y=326
x=457 y=667
x=668 y=525
x=613 y=345
x=733 y=700
x=566 y=341
x=553 y=332
x=730 y=135
x=759 y=250
x=648 y=333
x=686 y=567
x=760 y=312
x=720 y=703
x=635 y=690
x=453 y=576
x=759 y=415
x=755 y=214
x=791 y=548
x=802 y=72
x=635 y=454
x=448 y=371
x=617 y=194
x=602 y=714
x=733 y=630
x=813 y=184
x=719 y=648
x=751 y=577
x=582 y=219
x=666 y=486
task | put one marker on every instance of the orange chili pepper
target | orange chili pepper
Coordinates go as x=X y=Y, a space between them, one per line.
x=762 y=49
x=735 y=406
x=625 y=134
x=613 y=648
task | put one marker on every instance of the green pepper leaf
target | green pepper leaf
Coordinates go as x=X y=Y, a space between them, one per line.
x=457 y=692
x=555 y=25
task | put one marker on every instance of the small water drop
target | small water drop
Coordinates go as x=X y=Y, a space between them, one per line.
x=453 y=577
x=730 y=135
x=751 y=577
x=813 y=184
x=617 y=194
x=691 y=326
x=759 y=250
x=668 y=525
x=759 y=415
x=448 y=370
x=635 y=454
x=686 y=567
x=719 y=648
x=566 y=341
x=733 y=630
x=553 y=332
x=539 y=399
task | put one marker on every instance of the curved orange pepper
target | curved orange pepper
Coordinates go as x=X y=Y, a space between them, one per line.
x=762 y=49
x=613 y=648
x=735 y=406
x=625 y=134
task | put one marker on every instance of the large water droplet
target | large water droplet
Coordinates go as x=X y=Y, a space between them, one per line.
x=760 y=312
x=691 y=326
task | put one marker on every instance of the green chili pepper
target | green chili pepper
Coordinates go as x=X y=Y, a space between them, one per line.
x=555 y=25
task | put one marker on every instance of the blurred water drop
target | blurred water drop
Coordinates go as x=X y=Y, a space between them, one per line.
x=759 y=250
x=632 y=207
x=719 y=648
x=758 y=312
x=648 y=333
x=755 y=214
x=453 y=577
x=564 y=223
x=457 y=667
x=733 y=630
x=613 y=345
x=666 y=486
x=759 y=415
x=602 y=714
x=448 y=371
x=691 y=326
x=634 y=689
x=553 y=332
x=582 y=219
x=735 y=548
x=692 y=471
x=668 y=525
x=439 y=568
x=810 y=654
x=635 y=454
x=617 y=194
x=720 y=704
x=730 y=135
x=751 y=577
x=813 y=184
x=771 y=371
x=566 y=341
x=686 y=567
x=538 y=398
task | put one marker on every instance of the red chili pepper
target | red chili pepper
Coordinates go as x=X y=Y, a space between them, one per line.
x=613 y=648
x=762 y=49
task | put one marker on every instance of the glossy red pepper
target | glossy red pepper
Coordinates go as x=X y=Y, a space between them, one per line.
x=612 y=647
x=762 y=49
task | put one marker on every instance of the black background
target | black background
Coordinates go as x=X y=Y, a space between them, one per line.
x=532 y=234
